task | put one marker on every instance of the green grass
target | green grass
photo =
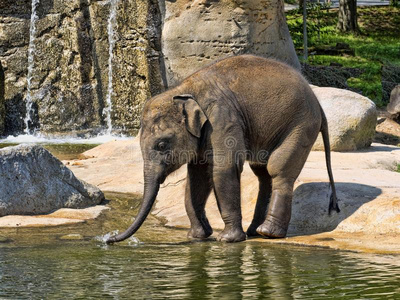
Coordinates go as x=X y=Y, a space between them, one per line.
x=377 y=44
x=398 y=168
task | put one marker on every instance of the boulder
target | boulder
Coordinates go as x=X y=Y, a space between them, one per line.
x=394 y=105
x=196 y=33
x=351 y=119
x=32 y=181
x=2 y=109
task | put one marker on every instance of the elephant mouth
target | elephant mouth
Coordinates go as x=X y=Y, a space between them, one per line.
x=168 y=170
x=162 y=178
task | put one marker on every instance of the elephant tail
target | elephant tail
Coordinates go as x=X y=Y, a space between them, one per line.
x=333 y=201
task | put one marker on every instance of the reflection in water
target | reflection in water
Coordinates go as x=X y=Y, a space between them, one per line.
x=192 y=271
x=158 y=262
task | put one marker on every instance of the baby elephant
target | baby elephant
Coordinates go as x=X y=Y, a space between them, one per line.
x=240 y=108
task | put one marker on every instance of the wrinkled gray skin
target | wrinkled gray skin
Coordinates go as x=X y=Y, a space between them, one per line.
x=237 y=109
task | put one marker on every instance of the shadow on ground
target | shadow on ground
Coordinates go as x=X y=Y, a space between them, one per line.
x=311 y=200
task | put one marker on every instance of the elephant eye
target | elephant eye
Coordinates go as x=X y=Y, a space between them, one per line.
x=162 y=146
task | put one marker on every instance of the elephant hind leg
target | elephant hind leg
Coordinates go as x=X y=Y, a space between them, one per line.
x=264 y=194
x=279 y=212
x=198 y=188
x=284 y=166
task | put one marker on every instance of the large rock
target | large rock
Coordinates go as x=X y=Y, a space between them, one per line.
x=70 y=62
x=2 y=111
x=32 y=181
x=394 y=106
x=351 y=119
x=197 y=33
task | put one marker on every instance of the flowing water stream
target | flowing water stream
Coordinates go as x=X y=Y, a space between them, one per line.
x=31 y=53
x=29 y=131
x=73 y=262
x=111 y=22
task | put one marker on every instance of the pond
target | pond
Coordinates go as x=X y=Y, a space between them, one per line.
x=73 y=262
x=63 y=151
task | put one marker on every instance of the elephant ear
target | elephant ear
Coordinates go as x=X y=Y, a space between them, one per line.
x=195 y=117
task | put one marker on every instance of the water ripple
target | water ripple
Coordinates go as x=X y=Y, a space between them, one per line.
x=193 y=271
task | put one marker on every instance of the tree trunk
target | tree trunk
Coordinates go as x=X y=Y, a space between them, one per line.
x=347 y=16
x=301 y=4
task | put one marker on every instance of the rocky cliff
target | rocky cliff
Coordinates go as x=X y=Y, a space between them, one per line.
x=70 y=67
x=70 y=62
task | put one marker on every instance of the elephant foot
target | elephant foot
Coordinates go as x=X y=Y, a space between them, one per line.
x=232 y=235
x=272 y=229
x=252 y=231
x=199 y=233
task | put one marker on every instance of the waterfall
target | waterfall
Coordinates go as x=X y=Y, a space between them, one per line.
x=112 y=19
x=31 y=53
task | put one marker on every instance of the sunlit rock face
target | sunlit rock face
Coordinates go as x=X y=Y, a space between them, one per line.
x=70 y=63
x=351 y=119
x=196 y=33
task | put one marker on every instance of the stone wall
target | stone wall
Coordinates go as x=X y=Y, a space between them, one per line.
x=157 y=43
x=137 y=74
x=70 y=74
x=14 y=39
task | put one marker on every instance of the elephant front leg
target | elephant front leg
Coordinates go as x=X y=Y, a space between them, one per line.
x=227 y=193
x=264 y=194
x=198 y=188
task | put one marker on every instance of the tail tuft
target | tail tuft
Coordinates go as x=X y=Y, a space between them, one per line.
x=333 y=204
x=333 y=201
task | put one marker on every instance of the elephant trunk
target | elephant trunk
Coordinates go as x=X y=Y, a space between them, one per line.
x=151 y=187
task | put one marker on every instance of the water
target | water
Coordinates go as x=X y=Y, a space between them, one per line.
x=85 y=270
x=160 y=263
x=66 y=148
x=73 y=262
x=112 y=19
x=62 y=151
x=31 y=53
x=40 y=139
